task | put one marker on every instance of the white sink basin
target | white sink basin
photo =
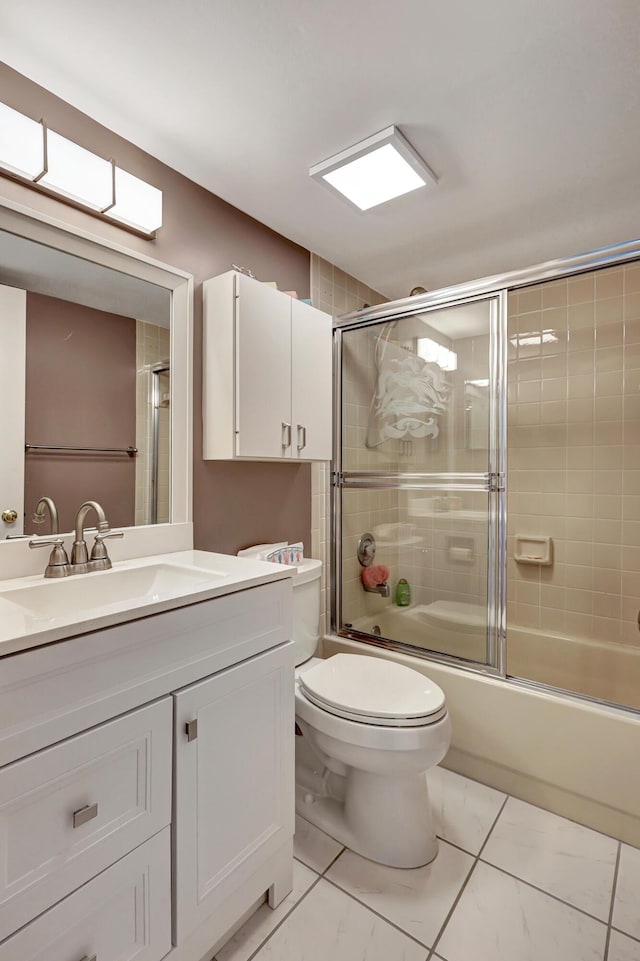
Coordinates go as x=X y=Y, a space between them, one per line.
x=37 y=610
x=90 y=592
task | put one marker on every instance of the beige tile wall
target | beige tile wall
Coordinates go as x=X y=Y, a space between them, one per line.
x=335 y=292
x=574 y=454
x=152 y=346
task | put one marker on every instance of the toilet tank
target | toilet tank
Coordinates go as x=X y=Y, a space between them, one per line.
x=306 y=609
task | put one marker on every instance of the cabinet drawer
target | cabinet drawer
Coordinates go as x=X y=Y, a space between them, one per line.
x=71 y=810
x=122 y=915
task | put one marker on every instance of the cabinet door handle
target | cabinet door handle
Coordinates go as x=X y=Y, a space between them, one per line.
x=286 y=434
x=94 y=957
x=191 y=729
x=302 y=430
x=82 y=815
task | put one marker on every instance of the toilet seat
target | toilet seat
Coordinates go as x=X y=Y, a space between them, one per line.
x=373 y=691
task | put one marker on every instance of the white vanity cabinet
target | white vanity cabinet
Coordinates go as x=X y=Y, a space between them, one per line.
x=267 y=373
x=234 y=786
x=146 y=792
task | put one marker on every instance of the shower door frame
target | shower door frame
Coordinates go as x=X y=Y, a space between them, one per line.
x=492 y=481
x=609 y=256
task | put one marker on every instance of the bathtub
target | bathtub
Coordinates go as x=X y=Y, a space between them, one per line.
x=606 y=671
x=560 y=752
x=456 y=629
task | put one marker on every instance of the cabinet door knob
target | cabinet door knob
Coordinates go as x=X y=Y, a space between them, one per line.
x=82 y=815
x=302 y=436
x=286 y=434
x=191 y=729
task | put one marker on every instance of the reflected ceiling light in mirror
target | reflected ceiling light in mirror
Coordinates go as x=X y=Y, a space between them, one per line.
x=77 y=173
x=21 y=144
x=136 y=203
x=375 y=170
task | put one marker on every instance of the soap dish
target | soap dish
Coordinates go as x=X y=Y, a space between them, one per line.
x=534 y=549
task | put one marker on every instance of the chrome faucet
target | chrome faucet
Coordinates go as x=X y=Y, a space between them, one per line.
x=44 y=504
x=99 y=560
x=59 y=564
x=381 y=589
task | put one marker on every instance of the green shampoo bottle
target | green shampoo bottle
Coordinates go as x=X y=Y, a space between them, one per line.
x=403 y=593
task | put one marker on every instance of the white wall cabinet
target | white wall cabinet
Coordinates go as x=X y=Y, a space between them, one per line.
x=121 y=836
x=267 y=373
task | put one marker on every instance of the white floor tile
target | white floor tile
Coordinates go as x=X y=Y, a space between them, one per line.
x=463 y=810
x=313 y=847
x=622 y=948
x=251 y=935
x=499 y=918
x=418 y=900
x=330 y=926
x=563 y=858
x=626 y=913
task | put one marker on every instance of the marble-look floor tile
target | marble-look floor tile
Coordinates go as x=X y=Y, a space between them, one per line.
x=499 y=918
x=330 y=926
x=557 y=855
x=626 y=911
x=622 y=948
x=313 y=847
x=260 y=925
x=417 y=900
x=463 y=810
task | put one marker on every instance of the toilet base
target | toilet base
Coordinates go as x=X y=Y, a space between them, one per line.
x=387 y=820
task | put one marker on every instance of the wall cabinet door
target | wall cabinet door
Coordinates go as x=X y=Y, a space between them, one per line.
x=267 y=373
x=263 y=370
x=311 y=382
x=234 y=779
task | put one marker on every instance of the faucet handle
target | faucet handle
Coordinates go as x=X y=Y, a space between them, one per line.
x=99 y=550
x=58 y=565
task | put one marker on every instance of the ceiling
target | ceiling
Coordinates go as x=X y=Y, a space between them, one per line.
x=527 y=111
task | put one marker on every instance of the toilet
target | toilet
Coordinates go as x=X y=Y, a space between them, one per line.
x=368 y=730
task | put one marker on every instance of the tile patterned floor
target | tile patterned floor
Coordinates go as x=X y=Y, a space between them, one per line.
x=511 y=883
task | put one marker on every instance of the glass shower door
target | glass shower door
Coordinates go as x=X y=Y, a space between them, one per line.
x=420 y=469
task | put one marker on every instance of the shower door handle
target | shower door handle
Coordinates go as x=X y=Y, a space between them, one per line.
x=286 y=434
x=302 y=433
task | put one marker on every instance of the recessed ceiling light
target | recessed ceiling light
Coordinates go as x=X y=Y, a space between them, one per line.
x=375 y=170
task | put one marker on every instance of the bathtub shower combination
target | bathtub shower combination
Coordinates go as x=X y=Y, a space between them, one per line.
x=488 y=438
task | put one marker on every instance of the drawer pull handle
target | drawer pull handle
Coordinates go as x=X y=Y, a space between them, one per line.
x=93 y=957
x=191 y=728
x=80 y=817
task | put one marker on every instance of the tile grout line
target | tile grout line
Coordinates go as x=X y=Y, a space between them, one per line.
x=466 y=880
x=613 y=901
x=368 y=907
x=283 y=919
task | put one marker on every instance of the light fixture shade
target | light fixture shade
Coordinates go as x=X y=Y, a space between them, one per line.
x=375 y=170
x=137 y=203
x=77 y=173
x=21 y=143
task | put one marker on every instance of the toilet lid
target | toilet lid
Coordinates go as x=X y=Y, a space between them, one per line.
x=373 y=690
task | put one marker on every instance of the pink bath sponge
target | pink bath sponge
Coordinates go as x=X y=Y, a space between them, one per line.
x=374 y=575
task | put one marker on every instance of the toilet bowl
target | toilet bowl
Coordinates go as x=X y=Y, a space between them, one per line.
x=368 y=731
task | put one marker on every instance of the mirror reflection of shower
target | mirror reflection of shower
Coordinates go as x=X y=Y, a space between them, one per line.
x=153 y=421
x=160 y=405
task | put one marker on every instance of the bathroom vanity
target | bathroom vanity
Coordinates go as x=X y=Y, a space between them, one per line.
x=146 y=744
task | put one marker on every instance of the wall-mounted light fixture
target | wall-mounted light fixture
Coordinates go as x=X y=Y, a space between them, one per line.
x=375 y=170
x=44 y=159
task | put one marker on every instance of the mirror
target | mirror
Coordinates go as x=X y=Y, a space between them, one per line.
x=86 y=383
